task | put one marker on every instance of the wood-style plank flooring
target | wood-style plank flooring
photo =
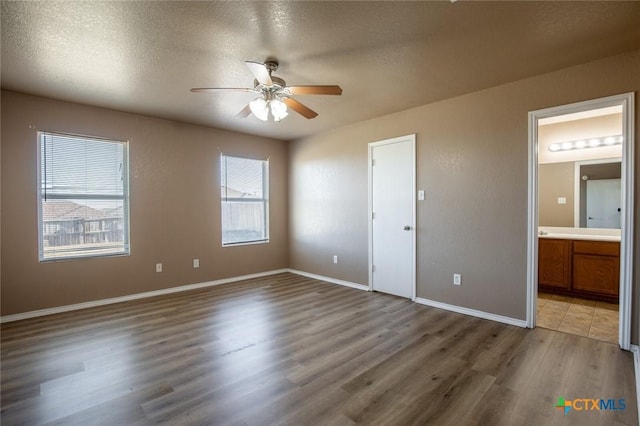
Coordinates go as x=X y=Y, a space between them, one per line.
x=290 y=350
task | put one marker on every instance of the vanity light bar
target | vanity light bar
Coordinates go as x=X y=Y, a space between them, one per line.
x=586 y=143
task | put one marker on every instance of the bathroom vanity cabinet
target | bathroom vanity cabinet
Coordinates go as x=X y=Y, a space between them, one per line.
x=554 y=263
x=579 y=268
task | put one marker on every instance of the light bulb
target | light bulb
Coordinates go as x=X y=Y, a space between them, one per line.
x=581 y=144
x=554 y=147
x=278 y=109
x=567 y=146
x=259 y=108
x=610 y=140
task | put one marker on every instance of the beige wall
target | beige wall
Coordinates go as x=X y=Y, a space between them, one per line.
x=175 y=207
x=472 y=160
x=556 y=180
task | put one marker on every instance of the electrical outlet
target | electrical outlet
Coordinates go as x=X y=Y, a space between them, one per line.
x=457 y=279
x=196 y=263
x=158 y=267
x=335 y=259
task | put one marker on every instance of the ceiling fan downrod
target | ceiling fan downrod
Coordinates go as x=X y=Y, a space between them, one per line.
x=271 y=66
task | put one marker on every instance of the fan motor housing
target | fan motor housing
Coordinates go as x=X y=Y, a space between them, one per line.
x=277 y=81
x=278 y=84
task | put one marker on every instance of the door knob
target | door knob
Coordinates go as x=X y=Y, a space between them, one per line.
x=407 y=228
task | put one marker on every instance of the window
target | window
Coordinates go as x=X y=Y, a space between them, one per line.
x=245 y=201
x=83 y=197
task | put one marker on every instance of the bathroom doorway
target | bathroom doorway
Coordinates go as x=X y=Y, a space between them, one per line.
x=579 y=276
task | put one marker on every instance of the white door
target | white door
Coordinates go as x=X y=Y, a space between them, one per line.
x=603 y=203
x=392 y=204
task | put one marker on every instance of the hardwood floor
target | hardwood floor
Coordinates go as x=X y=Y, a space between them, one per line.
x=290 y=350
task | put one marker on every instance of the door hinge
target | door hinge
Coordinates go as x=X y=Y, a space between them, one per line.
x=373 y=268
x=373 y=215
x=373 y=162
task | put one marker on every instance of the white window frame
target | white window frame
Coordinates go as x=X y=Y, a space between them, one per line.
x=264 y=200
x=124 y=197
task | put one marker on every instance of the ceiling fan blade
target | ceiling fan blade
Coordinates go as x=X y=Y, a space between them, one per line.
x=216 y=89
x=244 y=113
x=260 y=72
x=315 y=90
x=300 y=108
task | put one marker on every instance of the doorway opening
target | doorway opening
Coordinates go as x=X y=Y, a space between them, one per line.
x=581 y=218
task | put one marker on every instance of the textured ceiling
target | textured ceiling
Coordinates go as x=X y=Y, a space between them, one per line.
x=144 y=57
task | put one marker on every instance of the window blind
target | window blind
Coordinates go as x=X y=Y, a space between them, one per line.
x=244 y=199
x=83 y=196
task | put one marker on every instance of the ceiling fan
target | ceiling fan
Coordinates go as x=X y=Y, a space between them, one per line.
x=275 y=95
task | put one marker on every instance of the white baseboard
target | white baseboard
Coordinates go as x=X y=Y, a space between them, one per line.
x=330 y=280
x=636 y=367
x=432 y=303
x=101 y=302
x=472 y=312
x=111 y=300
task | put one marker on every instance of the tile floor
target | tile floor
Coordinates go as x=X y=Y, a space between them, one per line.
x=597 y=320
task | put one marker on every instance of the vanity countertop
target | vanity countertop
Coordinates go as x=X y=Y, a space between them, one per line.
x=589 y=234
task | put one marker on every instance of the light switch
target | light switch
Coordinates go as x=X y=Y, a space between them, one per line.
x=562 y=200
x=421 y=195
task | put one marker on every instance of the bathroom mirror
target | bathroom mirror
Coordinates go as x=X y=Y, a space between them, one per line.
x=579 y=169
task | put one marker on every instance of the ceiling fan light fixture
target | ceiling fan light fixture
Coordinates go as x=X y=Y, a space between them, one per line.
x=259 y=108
x=278 y=109
x=275 y=99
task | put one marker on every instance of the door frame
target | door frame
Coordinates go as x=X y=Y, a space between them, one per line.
x=626 y=100
x=411 y=138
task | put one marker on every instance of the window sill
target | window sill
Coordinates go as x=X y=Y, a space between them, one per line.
x=248 y=243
